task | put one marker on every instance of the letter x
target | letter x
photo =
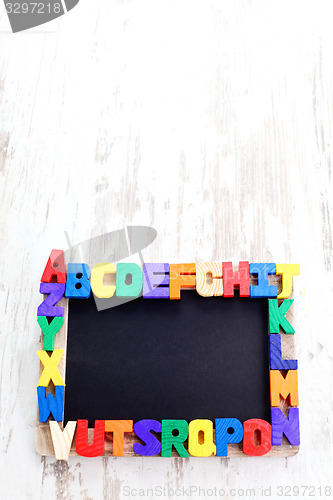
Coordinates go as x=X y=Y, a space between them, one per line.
x=50 y=371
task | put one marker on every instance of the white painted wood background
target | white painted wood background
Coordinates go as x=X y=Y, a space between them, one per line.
x=208 y=120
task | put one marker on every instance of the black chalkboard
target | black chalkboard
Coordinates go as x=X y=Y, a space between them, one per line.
x=191 y=358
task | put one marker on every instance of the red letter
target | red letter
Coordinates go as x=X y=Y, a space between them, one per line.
x=265 y=429
x=55 y=267
x=96 y=449
x=240 y=279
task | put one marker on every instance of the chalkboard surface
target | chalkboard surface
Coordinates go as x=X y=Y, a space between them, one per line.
x=156 y=358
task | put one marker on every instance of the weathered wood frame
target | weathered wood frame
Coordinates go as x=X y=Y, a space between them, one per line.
x=43 y=439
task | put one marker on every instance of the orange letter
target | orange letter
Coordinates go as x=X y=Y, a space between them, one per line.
x=284 y=387
x=181 y=276
x=118 y=427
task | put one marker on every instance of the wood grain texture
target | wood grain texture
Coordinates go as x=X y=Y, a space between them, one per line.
x=208 y=278
x=212 y=122
x=62 y=438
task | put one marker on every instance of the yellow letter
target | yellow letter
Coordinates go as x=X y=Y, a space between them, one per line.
x=50 y=371
x=207 y=447
x=97 y=274
x=287 y=271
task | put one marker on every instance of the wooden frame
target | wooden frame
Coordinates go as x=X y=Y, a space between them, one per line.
x=43 y=439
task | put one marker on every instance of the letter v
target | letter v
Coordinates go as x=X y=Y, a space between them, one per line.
x=62 y=439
